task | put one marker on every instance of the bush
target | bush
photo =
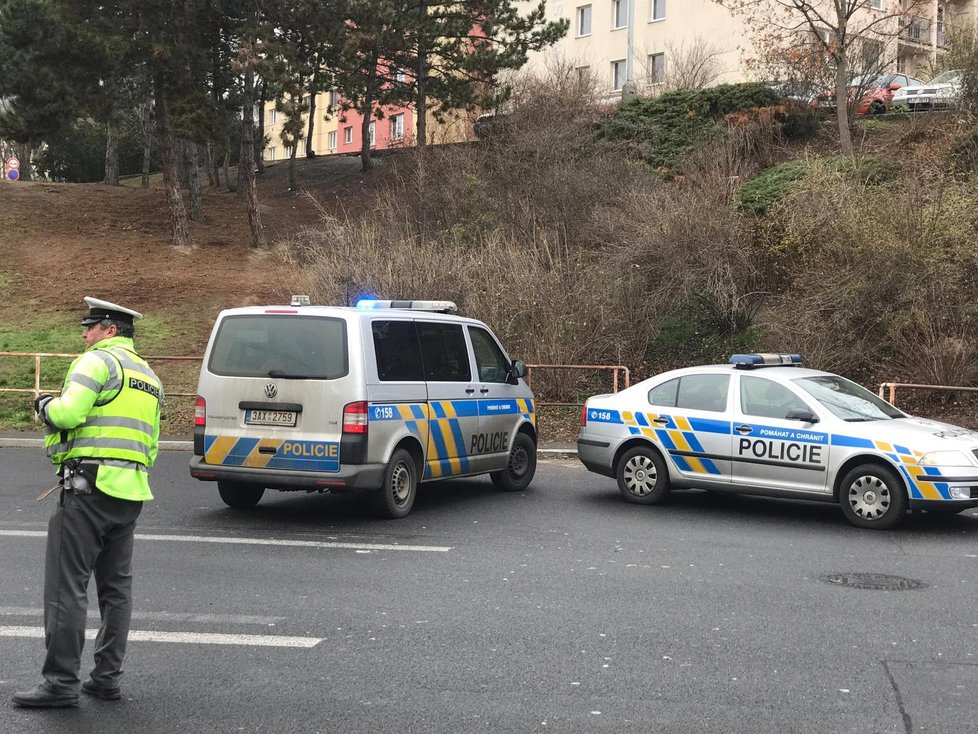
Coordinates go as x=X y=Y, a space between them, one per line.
x=668 y=127
x=770 y=187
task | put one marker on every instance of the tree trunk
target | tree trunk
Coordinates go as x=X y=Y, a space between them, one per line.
x=111 y=152
x=292 y=183
x=421 y=76
x=247 y=165
x=258 y=141
x=193 y=179
x=210 y=165
x=366 y=109
x=171 y=180
x=227 y=166
x=147 y=122
x=842 y=103
x=313 y=93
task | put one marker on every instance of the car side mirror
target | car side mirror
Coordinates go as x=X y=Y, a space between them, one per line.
x=801 y=414
x=517 y=368
x=894 y=86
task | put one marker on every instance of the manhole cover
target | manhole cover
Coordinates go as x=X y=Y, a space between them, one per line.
x=874 y=581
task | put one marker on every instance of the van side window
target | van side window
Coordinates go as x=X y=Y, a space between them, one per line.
x=489 y=359
x=443 y=352
x=398 y=351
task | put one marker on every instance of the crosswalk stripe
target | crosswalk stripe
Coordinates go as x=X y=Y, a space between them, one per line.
x=191 y=638
x=261 y=541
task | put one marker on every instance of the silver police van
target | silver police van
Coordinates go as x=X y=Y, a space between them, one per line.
x=377 y=397
x=764 y=424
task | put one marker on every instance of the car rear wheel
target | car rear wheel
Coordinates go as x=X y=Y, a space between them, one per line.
x=520 y=466
x=239 y=495
x=396 y=497
x=877 y=108
x=642 y=476
x=872 y=496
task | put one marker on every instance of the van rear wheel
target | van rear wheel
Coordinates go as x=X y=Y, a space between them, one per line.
x=239 y=495
x=520 y=466
x=396 y=497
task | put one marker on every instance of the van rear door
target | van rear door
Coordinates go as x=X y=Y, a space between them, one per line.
x=275 y=385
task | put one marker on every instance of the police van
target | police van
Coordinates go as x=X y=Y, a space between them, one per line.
x=376 y=397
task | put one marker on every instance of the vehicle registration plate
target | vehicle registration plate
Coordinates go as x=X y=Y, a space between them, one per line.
x=270 y=417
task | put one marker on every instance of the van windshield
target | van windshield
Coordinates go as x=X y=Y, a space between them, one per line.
x=267 y=345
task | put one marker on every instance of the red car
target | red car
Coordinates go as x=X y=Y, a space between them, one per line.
x=877 y=93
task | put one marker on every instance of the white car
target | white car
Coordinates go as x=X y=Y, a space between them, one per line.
x=764 y=424
x=942 y=91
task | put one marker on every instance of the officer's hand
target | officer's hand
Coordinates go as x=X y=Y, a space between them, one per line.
x=41 y=401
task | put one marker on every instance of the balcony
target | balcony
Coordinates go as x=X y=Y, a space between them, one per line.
x=916 y=30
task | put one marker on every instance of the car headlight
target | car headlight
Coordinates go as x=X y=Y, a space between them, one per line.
x=945 y=458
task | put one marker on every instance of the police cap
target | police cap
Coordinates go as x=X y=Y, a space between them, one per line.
x=100 y=310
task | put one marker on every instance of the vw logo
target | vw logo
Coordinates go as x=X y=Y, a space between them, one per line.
x=270 y=390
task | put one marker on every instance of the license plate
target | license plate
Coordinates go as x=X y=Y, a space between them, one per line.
x=270 y=417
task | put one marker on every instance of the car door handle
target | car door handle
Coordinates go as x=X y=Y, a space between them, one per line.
x=470 y=391
x=661 y=421
x=743 y=429
x=484 y=390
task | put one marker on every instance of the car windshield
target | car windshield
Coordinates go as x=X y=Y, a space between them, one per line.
x=948 y=77
x=847 y=400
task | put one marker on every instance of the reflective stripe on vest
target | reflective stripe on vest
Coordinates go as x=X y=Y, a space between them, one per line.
x=122 y=423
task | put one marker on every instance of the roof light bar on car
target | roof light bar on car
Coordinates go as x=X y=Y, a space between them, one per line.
x=436 y=306
x=746 y=361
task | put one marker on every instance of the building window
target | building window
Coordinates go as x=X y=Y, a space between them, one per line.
x=619 y=13
x=334 y=99
x=876 y=4
x=371 y=133
x=331 y=140
x=397 y=127
x=348 y=135
x=658 y=9
x=272 y=115
x=400 y=75
x=583 y=73
x=618 y=74
x=584 y=20
x=657 y=68
x=289 y=150
x=271 y=154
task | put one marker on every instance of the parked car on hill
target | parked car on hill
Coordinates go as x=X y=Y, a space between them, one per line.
x=941 y=92
x=876 y=93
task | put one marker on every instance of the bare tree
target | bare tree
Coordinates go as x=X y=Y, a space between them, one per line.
x=680 y=65
x=843 y=29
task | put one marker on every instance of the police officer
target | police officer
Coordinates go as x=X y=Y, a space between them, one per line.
x=103 y=434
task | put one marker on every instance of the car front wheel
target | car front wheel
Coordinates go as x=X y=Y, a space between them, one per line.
x=642 y=476
x=872 y=496
x=521 y=465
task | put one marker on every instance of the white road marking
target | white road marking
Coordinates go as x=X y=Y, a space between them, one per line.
x=261 y=541
x=191 y=638
x=160 y=616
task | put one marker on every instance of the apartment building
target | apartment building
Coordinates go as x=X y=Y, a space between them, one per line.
x=652 y=44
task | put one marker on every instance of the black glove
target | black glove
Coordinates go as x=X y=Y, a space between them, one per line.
x=40 y=402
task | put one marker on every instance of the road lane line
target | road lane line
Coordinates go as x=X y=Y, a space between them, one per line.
x=261 y=541
x=160 y=616
x=190 y=638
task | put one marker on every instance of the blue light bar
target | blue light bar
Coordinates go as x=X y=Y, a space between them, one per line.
x=436 y=306
x=746 y=361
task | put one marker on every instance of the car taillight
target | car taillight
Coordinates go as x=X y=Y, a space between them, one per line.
x=355 y=417
x=583 y=415
x=200 y=412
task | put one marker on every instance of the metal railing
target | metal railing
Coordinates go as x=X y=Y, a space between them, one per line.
x=620 y=373
x=891 y=388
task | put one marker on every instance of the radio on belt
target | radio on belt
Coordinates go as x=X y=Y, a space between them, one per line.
x=749 y=361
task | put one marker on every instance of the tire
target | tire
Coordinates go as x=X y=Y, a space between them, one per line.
x=520 y=466
x=642 y=476
x=877 y=108
x=239 y=495
x=396 y=497
x=872 y=496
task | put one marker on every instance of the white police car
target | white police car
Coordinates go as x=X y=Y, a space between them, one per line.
x=765 y=425
x=376 y=398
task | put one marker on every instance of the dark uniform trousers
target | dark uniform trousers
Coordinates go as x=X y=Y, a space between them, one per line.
x=86 y=533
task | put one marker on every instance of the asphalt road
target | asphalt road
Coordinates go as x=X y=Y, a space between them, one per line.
x=561 y=609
